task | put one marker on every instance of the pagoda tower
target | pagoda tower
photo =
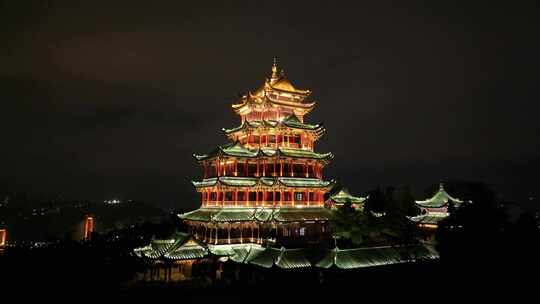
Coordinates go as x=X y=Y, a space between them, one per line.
x=266 y=185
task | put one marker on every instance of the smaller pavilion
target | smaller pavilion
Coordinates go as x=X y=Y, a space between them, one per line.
x=435 y=209
x=344 y=196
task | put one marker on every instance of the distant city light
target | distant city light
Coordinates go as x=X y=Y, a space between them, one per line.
x=112 y=202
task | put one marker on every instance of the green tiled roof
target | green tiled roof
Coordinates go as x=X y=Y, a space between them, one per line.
x=301 y=214
x=236 y=149
x=266 y=181
x=257 y=214
x=440 y=199
x=290 y=121
x=263 y=257
x=234 y=215
x=432 y=218
x=292 y=258
x=189 y=252
x=373 y=256
x=175 y=248
x=344 y=196
x=268 y=257
x=305 y=153
x=232 y=149
x=238 y=181
x=264 y=215
x=304 y=182
x=202 y=214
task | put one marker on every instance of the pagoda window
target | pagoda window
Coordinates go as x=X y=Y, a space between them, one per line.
x=311 y=196
x=212 y=170
x=287 y=196
x=299 y=196
x=228 y=196
x=213 y=196
x=277 y=196
x=287 y=168
x=299 y=170
x=252 y=169
x=252 y=196
x=272 y=139
x=255 y=139
x=270 y=196
x=261 y=197
x=241 y=169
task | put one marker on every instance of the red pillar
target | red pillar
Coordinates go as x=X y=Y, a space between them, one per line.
x=291 y=165
x=258 y=167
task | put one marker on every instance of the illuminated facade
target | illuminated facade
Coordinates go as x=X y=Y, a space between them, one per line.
x=3 y=238
x=267 y=183
x=89 y=226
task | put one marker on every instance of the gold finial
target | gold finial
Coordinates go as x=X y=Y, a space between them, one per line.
x=274 y=69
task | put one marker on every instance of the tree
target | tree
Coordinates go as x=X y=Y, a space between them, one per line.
x=375 y=202
x=347 y=224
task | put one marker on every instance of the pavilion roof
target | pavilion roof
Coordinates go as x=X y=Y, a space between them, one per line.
x=432 y=218
x=179 y=247
x=265 y=181
x=289 y=258
x=439 y=199
x=241 y=214
x=344 y=196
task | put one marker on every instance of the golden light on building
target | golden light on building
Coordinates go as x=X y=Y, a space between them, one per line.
x=88 y=227
x=3 y=237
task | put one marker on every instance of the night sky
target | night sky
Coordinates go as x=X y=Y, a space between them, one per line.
x=112 y=101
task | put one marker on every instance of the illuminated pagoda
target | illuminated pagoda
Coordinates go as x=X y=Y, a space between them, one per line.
x=263 y=197
x=435 y=209
x=343 y=196
x=266 y=185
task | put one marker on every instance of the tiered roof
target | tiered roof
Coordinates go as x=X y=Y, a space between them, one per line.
x=290 y=121
x=241 y=214
x=263 y=181
x=179 y=247
x=236 y=149
x=269 y=94
x=344 y=196
x=440 y=199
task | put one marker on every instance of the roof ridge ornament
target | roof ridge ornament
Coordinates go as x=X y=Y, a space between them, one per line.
x=274 y=71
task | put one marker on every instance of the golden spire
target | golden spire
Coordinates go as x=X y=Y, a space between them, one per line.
x=274 y=69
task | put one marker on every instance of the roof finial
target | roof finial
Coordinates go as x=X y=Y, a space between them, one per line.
x=274 y=68
x=441 y=186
